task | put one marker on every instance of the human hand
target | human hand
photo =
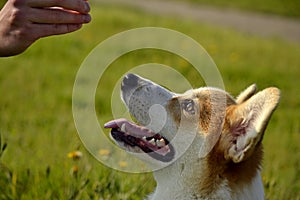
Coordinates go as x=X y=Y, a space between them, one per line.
x=24 y=21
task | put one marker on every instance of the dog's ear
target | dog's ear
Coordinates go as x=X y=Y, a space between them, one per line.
x=247 y=122
x=246 y=94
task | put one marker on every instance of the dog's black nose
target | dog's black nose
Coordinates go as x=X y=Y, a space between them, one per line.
x=130 y=80
x=130 y=83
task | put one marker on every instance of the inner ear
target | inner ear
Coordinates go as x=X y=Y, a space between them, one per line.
x=247 y=123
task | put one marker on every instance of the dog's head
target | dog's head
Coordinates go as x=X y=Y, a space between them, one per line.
x=207 y=119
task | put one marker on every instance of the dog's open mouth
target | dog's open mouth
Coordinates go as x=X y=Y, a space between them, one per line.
x=134 y=135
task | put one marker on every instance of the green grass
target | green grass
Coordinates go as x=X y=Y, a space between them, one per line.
x=36 y=112
x=2 y=2
x=290 y=8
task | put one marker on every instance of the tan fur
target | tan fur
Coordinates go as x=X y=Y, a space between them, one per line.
x=246 y=94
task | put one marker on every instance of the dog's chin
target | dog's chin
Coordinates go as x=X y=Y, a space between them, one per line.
x=138 y=139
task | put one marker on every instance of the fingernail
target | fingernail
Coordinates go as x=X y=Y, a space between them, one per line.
x=87 y=7
x=86 y=18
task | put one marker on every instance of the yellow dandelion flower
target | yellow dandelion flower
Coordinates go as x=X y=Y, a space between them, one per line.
x=123 y=164
x=104 y=152
x=75 y=155
x=74 y=170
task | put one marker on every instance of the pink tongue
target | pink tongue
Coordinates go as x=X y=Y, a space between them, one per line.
x=133 y=129
x=137 y=131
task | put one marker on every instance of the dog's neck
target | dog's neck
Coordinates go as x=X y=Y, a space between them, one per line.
x=193 y=180
x=171 y=184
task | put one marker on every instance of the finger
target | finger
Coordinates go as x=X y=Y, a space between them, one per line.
x=43 y=30
x=57 y=16
x=81 y=6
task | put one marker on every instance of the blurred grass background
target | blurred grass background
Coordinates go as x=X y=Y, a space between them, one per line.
x=290 y=8
x=36 y=107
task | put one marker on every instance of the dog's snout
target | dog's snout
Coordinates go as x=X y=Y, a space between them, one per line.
x=140 y=95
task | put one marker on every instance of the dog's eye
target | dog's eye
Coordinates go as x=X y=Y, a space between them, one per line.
x=189 y=106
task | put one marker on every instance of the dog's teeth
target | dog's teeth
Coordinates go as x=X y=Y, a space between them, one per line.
x=152 y=141
x=144 y=138
x=123 y=128
x=160 y=143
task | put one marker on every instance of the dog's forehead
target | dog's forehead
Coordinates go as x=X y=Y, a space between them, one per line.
x=206 y=92
x=211 y=103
